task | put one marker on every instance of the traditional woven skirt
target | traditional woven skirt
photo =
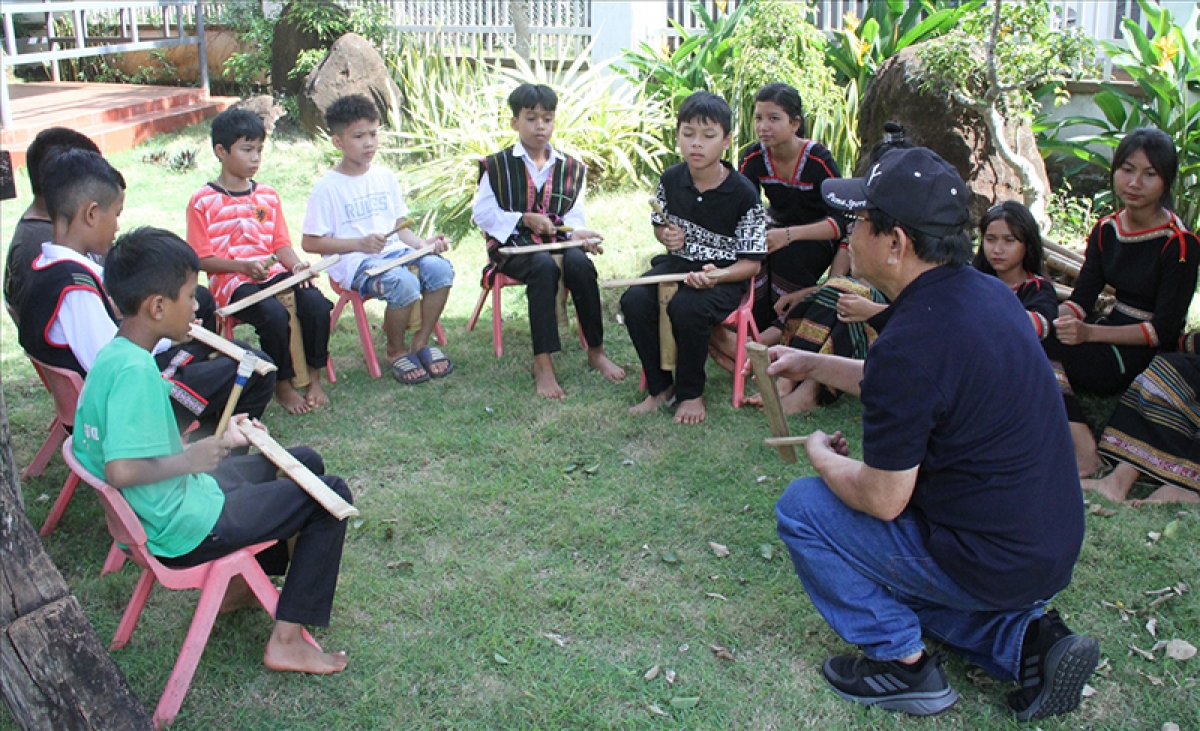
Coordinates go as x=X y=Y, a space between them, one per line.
x=1156 y=427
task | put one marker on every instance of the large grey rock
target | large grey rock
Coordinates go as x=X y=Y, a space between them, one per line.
x=353 y=66
x=287 y=45
x=935 y=120
x=265 y=107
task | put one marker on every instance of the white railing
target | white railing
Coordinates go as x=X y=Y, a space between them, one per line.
x=557 y=28
x=176 y=16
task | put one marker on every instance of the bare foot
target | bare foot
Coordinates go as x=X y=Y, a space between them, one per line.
x=238 y=595
x=802 y=398
x=545 y=380
x=691 y=411
x=754 y=400
x=724 y=342
x=1167 y=494
x=287 y=651
x=1116 y=486
x=653 y=403
x=598 y=359
x=316 y=396
x=290 y=399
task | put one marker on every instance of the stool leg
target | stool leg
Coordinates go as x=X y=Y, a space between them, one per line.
x=364 y=337
x=53 y=441
x=478 y=309
x=497 y=330
x=60 y=505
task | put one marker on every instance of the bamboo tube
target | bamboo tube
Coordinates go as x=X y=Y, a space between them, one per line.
x=223 y=346
x=245 y=368
x=296 y=340
x=666 y=336
x=300 y=474
x=556 y=246
x=776 y=419
x=410 y=256
x=781 y=442
x=274 y=289
x=658 y=279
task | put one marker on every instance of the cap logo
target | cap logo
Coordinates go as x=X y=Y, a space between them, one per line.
x=875 y=172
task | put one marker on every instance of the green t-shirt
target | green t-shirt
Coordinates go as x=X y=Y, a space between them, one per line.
x=125 y=413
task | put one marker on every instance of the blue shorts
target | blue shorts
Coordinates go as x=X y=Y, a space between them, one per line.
x=398 y=286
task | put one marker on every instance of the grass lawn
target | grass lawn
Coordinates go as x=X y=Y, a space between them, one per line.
x=522 y=564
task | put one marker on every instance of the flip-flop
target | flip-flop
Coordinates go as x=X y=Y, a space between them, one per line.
x=431 y=354
x=407 y=364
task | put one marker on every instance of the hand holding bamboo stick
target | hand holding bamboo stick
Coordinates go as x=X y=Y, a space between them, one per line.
x=301 y=276
x=713 y=274
x=556 y=246
x=409 y=257
x=245 y=368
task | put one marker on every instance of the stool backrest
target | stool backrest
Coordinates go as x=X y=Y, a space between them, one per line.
x=64 y=386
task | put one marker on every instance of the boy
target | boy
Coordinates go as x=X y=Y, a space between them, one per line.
x=71 y=319
x=128 y=438
x=713 y=216
x=235 y=224
x=350 y=210
x=510 y=216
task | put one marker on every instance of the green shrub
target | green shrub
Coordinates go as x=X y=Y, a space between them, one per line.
x=256 y=32
x=456 y=111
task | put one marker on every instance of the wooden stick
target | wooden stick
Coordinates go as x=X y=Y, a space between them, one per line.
x=245 y=368
x=1063 y=251
x=666 y=335
x=781 y=442
x=401 y=224
x=303 y=477
x=563 y=229
x=274 y=289
x=410 y=256
x=657 y=279
x=221 y=345
x=556 y=246
x=654 y=204
x=759 y=361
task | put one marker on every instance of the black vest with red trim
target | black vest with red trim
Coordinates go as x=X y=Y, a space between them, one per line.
x=514 y=192
x=46 y=285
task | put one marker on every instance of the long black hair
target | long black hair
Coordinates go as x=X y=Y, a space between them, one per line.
x=1024 y=228
x=786 y=98
x=1161 y=153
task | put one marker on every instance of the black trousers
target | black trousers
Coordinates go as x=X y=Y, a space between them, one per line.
x=260 y=507
x=202 y=381
x=798 y=265
x=540 y=274
x=271 y=322
x=693 y=312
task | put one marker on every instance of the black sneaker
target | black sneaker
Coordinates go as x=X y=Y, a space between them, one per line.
x=1055 y=665
x=919 y=690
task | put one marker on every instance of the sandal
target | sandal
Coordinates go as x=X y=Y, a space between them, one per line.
x=404 y=366
x=431 y=354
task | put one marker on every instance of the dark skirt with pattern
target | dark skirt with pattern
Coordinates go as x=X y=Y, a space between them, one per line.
x=1156 y=427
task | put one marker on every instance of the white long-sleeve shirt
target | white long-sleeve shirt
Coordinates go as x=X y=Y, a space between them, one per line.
x=499 y=223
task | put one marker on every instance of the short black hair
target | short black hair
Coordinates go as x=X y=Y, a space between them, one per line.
x=76 y=177
x=1160 y=151
x=532 y=96
x=347 y=110
x=1023 y=227
x=232 y=125
x=954 y=250
x=786 y=98
x=705 y=106
x=145 y=262
x=49 y=142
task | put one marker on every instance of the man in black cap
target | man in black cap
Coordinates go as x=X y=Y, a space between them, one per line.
x=965 y=517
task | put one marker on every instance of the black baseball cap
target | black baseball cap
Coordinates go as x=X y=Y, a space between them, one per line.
x=914 y=186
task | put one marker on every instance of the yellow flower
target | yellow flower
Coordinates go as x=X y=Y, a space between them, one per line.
x=1168 y=48
x=720 y=4
x=851 y=22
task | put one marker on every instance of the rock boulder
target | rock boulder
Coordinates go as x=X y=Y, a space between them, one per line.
x=353 y=66
x=265 y=107
x=934 y=120
x=287 y=45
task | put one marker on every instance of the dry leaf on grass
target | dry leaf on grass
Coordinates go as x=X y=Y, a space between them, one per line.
x=1152 y=626
x=402 y=565
x=657 y=711
x=715 y=595
x=1144 y=653
x=1153 y=536
x=767 y=551
x=500 y=659
x=1103 y=512
x=717 y=548
x=670 y=676
x=556 y=638
x=1168 y=726
x=1180 y=650
x=980 y=677
x=652 y=673
x=1088 y=691
x=1154 y=680
x=721 y=653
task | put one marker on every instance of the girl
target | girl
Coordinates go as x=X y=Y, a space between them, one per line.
x=1147 y=255
x=1010 y=249
x=802 y=238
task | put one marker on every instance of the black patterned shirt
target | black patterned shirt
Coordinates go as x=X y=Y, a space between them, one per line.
x=723 y=224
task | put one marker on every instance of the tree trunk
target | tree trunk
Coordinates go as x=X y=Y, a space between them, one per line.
x=54 y=672
x=520 y=19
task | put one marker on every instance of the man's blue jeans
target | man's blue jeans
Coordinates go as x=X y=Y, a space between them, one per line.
x=877 y=586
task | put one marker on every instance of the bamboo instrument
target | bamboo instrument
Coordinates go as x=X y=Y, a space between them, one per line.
x=274 y=289
x=560 y=295
x=223 y=346
x=780 y=442
x=375 y=271
x=556 y=246
x=1063 y=251
x=245 y=368
x=654 y=204
x=292 y=467
x=563 y=229
x=666 y=335
x=759 y=361
x=658 y=279
x=296 y=340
